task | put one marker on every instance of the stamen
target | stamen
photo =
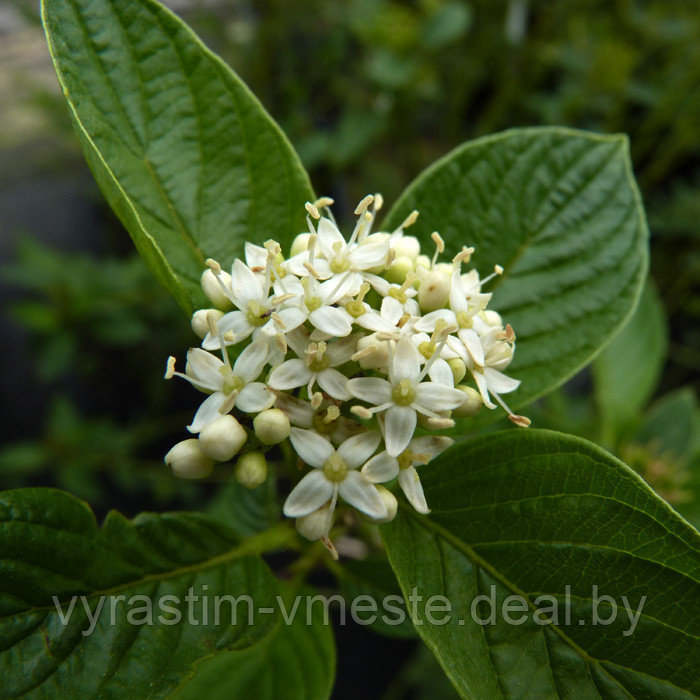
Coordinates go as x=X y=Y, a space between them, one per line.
x=365 y=352
x=409 y=220
x=170 y=368
x=332 y=414
x=323 y=202
x=364 y=288
x=439 y=246
x=438 y=351
x=227 y=406
x=277 y=320
x=213 y=266
x=311 y=247
x=361 y=412
x=281 y=342
x=391 y=256
x=361 y=208
x=462 y=256
x=316 y=399
x=520 y=421
x=277 y=300
x=311 y=270
x=497 y=270
x=405 y=318
x=378 y=201
x=329 y=545
x=440 y=423
x=312 y=210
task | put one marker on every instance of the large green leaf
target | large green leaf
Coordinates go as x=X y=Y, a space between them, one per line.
x=51 y=549
x=184 y=153
x=628 y=370
x=295 y=662
x=530 y=513
x=560 y=211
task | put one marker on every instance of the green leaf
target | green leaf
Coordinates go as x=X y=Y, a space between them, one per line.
x=671 y=423
x=51 y=549
x=185 y=154
x=560 y=211
x=295 y=662
x=628 y=370
x=536 y=513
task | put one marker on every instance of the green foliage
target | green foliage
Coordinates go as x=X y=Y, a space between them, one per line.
x=530 y=514
x=560 y=211
x=51 y=548
x=184 y=153
x=627 y=371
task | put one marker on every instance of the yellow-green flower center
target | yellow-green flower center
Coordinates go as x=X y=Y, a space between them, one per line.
x=355 y=308
x=405 y=459
x=231 y=381
x=312 y=303
x=319 y=363
x=464 y=320
x=339 y=264
x=335 y=468
x=403 y=393
x=257 y=315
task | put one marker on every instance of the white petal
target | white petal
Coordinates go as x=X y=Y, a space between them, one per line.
x=369 y=255
x=251 y=361
x=308 y=495
x=381 y=468
x=338 y=287
x=398 y=429
x=372 y=321
x=207 y=412
x=499 y=383
x=358 y=449
x=437 y=397
x=409 y=481
x=290 y=375
x=255 y=255
x=295 y=265
x=472 y=343
x=311 y=447
x=342 y=350
x=427 y=322
x=330 y=319
x=334 y=384
x=392 y=310
x=328 y=234
x=405 y=362
x=245 y=286
x=431 y=445
x=458 y=300
x=441 y=373
x=358 y=492
x=481 y=382
x=292 y=317
x=204 y=367
x=374 y=390
x=254 y=397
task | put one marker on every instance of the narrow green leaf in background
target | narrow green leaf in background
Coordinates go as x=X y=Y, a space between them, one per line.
x=559 y=209
x=628 y=370
x=537 y=513
x=51 y=546
x=183 y=151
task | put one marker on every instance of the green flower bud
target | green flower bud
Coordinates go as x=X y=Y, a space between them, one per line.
x=392 y=505
x=200 y=324
x=300 y=244
x=314 y=525
x=222 y=439
x=472 y=402
x=271 y=426
x=422 y=262
x=251 y=470
x=213 y=289
x=399 y=269
x=187 y=460
x=407 y=246
x=459 y=369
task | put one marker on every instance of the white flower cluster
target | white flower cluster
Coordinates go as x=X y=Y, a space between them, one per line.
x=347 y=346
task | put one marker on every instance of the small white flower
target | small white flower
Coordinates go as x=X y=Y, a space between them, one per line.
x=488 y=377
x=316 y=362
x=256 y=312
x=384 y=467
x=335 y=473
x=229 y=386
x=403 y=395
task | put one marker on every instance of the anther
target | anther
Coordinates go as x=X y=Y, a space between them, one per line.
x=440 y=423
x=332 y=414
x=378 y=201
x=322 y=202
x=520 y=421
x=365 y=352
x=312 y=210
x=361 y=412
x=277 y=320
x=361 y=208
x=316 y=400
x=170 y=368
x=410 y=219
x=213 y=266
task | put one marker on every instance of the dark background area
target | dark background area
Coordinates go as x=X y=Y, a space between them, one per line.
x=370 y=92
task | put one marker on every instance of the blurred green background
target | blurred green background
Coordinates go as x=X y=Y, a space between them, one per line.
x=370 y=92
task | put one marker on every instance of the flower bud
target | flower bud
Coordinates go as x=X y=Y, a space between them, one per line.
x=251 y=470
x=422 y=263
x=271 y=426
x=472 y=402
x=434 y=290
x=459 y=369
x=493 y=318
x=398 y=270
x=300 y=244
x=407 y=246
x=212 y=288
x=200 y=324
x=314 y=525
x=379 y=357
x=392 y=505
x=187 y=460
x=222 y=439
